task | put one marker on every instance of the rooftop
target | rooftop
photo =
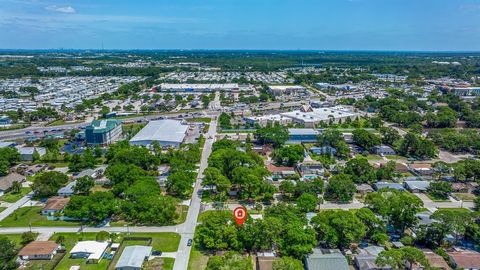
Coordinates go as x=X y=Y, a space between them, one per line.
x=38 y=248
x=133 y=256
x=162 y=130
x=56 y=203
x=100 y=126
x=94 y=248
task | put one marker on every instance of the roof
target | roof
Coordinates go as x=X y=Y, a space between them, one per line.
x=364 y=187
x=326 y=262
x=276 y=169
x=6 y=144
x=94 y=248
x=56 y=203
x=303 y=131
x=100 y=126
x=381 y=185
x=265 y=262
x=31 y=150
x=466 y=259
x=420 y=185
x=6 y=182
x=436 y=260
x=162 y=130
x=87 y=172
x=39 y=248
x=421 y=166
x=133 y=256
x=68 y=188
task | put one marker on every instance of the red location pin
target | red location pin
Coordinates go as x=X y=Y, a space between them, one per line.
x=240 y=213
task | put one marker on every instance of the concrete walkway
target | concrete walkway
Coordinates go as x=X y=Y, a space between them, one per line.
x=14 y=206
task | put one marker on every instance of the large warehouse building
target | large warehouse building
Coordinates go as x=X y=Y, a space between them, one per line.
x=168 y=133
x=198 y=87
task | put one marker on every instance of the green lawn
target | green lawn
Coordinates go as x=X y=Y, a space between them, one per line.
x=198 y=259
x=467 y=197
x=13 y=197
x=435 y=199
x=166 y=242
x=200 y=119
x=182 y=214
x=16 y=238
x=2 y=208
x=25 y=216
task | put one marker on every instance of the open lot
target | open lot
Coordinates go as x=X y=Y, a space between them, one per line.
x=31 y=216
x=13 y=197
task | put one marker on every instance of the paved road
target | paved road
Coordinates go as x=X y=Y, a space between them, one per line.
x=188 y=228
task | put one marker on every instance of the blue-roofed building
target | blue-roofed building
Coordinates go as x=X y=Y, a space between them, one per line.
x=390 y=185
x=103 y=132
x=5 y=120
x=302 y=135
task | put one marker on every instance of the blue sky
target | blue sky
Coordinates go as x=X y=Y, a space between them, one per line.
x=451 y=25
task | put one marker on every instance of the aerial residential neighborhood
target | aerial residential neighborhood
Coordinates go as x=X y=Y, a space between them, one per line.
x=240 y=135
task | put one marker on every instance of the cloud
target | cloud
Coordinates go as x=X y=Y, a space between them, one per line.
x=61 y=9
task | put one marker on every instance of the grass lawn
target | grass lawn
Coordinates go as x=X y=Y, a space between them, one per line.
x=396 y=157
x=159 y=263
x=454 y=210
x=182 y=211
x=198 y=260
x=372 y=157
x=467 y=197
x=16 y=238
x=44 y=264
x=2 y=208
x=22 y=217
x=200 y=119
x=166 y=242
x=435 y=199
x=58 y=164
x=13 y=197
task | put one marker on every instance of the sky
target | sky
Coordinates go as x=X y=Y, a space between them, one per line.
x=398 y=25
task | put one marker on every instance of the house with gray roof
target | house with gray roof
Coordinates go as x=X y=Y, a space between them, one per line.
x=6 y=182
x=417 y=186
x=133 y=257
x=326 y=260
x=390 y=185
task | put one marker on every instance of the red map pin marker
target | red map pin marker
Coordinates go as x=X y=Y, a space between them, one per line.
x=240 y=213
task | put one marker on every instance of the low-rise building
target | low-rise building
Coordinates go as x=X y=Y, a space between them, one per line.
x=467 y=260
x=279 y=173
x=91 y=250
x=364 y=188
x=436 y=261
x=421 y=168
x=322 y=150
x=67 y=190
x=417 y=186
x=168 y=133
x=326 y=260
x=38 y=250
x=302 y=135
x=381 y=185
x=278 y=90
x=383 y=150
x=7 y=181
x=133 y=257
x=28 y=153
x=103 y=132
x=54 y=205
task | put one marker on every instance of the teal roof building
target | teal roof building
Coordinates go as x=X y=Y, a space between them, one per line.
x=103 y=132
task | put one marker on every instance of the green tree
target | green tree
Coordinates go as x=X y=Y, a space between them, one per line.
x=360 y=170
x=229 y=261
x=365 y=139
x=440 y=189
x=276 y=135
x=287 y=263
x=16 y=187
x=399 y=259
x=28 y=237
x=338 y=228
x=340 y=188
x=102 y=236
x=307 y=202
x=8 y=252
x=48 y=183
x=397 y=207
x=288 y=155
x=83 y=185
x=94 y=208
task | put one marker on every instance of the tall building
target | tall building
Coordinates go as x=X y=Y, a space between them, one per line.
x=103 y=132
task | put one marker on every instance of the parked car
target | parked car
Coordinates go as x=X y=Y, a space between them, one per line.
x=189 y=243
x=156 y=253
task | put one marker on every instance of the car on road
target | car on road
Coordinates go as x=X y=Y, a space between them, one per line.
x=156 y=253
x=189 y=243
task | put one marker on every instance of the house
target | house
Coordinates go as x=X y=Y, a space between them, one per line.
x=88 y=172
x=54 y=205
x=383 y=150
x=91 y=250
x=326 y=260
x=468 y=187
x=29 y=170
x=421 y=168
x=7 y=181
x=5 y=120
x=39 y=250
x=436 y=261
x=27 y=153
x=380 y=185
x=132 y=257
x=265 y=260
x=467 y=260
x=417 y=186
x=280 y=172
x=67 y=190
x=364 y=188
x=401 y=167
x=310 y=167
x=323 y=150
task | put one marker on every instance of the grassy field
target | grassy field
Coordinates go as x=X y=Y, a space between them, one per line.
x=198 y=259
x=159 y=263
x=182 y=211
x=13 y=197
x=26 y=216
x=200 y=119
x=16 y=238
x=2 y=208
x=467 y=197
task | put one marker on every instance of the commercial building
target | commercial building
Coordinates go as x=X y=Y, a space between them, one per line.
x=168 y=133
x=199 y=87
x=39 y=250
x=103 y=132
x=278 y=90
x=302 y=135
x=272 y=119
x=132 y=257
x=311 y=117
x=467 y=91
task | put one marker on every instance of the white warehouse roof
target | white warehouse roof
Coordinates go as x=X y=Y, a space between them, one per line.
x=172 y=131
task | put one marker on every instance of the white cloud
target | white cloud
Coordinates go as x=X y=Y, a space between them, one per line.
x=61 y=9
